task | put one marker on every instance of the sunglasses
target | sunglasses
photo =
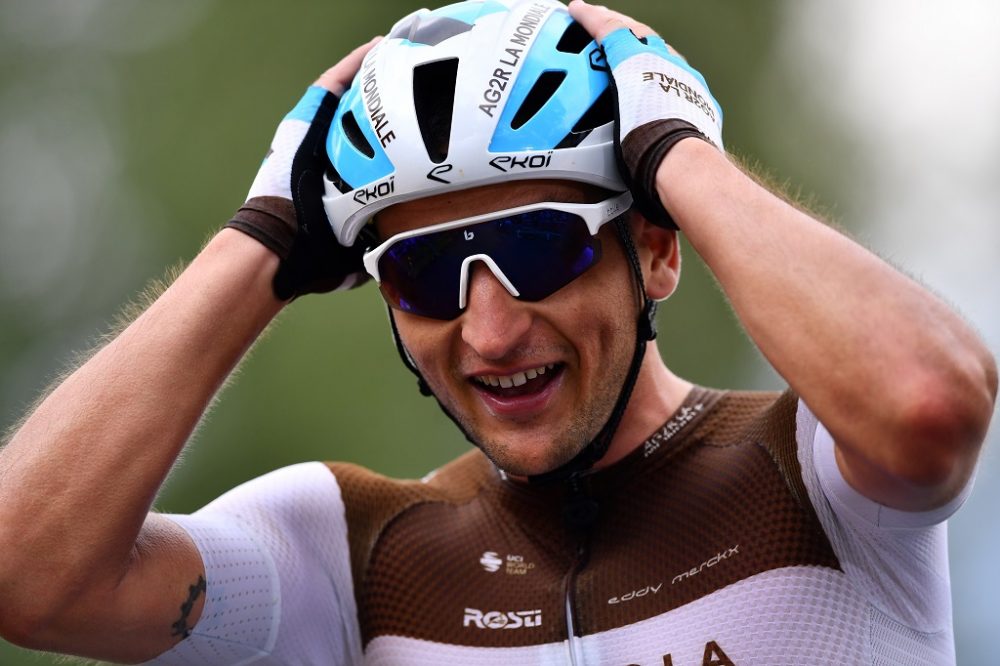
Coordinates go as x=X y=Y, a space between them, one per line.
x=532 y=250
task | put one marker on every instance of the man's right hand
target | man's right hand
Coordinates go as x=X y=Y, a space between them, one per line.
x=284 y=209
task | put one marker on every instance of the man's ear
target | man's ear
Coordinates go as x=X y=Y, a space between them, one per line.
x=659 y=255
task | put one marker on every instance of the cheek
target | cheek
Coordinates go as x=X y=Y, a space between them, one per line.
x=427 y=341
x=602 y=311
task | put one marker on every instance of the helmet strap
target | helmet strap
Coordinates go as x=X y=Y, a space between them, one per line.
x=422 y=384
x=645 y=332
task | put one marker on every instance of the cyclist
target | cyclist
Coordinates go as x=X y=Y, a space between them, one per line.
x=515 y=189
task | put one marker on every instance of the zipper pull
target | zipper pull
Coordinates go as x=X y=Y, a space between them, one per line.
x=580 y=510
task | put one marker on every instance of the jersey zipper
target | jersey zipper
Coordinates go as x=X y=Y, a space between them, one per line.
x=580 y=512
x=570 y=595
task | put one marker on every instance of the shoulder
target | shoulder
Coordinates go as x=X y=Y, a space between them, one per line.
x=733 y=417
x=372 y=501
x=456 y=481
x=282 y=491
x=764 y=419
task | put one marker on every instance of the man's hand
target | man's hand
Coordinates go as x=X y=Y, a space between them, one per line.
x=284 y=209
x=661 y=100
x=903 y=385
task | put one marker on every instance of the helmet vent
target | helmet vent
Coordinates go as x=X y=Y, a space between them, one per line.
x=353 y=133
x=574 y=40
x=434 y=102
x=337 y=180
x=540 y=93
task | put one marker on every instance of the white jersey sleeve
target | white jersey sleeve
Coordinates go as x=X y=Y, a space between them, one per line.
x=278 y=575
x=897 y=559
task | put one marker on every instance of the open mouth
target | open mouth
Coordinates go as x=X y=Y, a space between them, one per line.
x=526 y=382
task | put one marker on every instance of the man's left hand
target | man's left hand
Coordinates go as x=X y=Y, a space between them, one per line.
x=661 y=99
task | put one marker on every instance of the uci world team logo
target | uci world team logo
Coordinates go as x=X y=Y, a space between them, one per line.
x=512 y=565
x=491 y=561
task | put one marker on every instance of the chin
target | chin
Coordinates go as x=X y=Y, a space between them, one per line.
x=528 y=460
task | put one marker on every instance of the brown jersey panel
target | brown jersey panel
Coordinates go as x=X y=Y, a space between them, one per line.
x=372 y=500
x=468 y=574
x=469 y=558
x=713 y=511
x=775 y=429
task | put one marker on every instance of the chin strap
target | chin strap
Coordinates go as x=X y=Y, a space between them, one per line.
x=597 y=447
x=422 y=385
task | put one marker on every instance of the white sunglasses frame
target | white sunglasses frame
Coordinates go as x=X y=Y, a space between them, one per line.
x=595 y=215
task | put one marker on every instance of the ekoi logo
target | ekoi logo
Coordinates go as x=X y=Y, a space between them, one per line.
x=507 y=163
x=365 y=195
x=499 y=620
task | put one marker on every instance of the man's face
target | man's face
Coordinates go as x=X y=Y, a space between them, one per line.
x=560 y=362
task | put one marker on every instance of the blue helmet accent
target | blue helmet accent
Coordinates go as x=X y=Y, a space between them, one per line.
x=353 y=164
x=555 y=119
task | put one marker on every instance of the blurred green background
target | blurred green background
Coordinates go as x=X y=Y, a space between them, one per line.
x=130 y=131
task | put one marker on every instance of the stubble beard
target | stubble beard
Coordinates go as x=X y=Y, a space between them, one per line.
x=584 y=425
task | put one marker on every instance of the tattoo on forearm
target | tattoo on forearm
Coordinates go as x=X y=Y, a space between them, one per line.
x=180 y=627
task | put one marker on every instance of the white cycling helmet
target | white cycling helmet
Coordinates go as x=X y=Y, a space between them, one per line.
x=477 y=92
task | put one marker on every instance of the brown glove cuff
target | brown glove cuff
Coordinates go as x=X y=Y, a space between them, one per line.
x=642 y=151
x=270 y=220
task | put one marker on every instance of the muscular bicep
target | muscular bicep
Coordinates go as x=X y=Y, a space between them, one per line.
x=149 y=609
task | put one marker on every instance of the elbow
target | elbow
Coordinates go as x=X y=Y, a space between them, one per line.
x=26 y=616
x=34 y=601
x=23 y=626
x=939 y=429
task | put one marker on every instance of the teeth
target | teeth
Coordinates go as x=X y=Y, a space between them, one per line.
x=517 y=379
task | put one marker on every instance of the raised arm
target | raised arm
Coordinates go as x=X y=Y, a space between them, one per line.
x=83 y=569
x=902 y=383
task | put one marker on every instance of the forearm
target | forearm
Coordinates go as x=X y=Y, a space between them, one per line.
x=884 y=364
x=80 y=475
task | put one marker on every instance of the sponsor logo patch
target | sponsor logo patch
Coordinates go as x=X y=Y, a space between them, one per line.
x=502 y=620
x=491 y=561
x=365 y=195
x=635 y=594
x=513 y=565
x=671 y=428
x=707 y=564
x=508 y=163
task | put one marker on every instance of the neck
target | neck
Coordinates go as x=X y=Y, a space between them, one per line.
x=658 y=393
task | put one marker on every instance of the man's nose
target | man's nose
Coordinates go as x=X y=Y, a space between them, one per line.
x=494 y=322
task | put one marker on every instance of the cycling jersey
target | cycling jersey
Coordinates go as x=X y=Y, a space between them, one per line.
x=728 y=537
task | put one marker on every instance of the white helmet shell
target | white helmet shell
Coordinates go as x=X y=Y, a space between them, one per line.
x=470 y=94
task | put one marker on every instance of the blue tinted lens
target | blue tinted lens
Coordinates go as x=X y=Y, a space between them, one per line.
x=552 y=249
x=539 y=251
x=420 y=275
